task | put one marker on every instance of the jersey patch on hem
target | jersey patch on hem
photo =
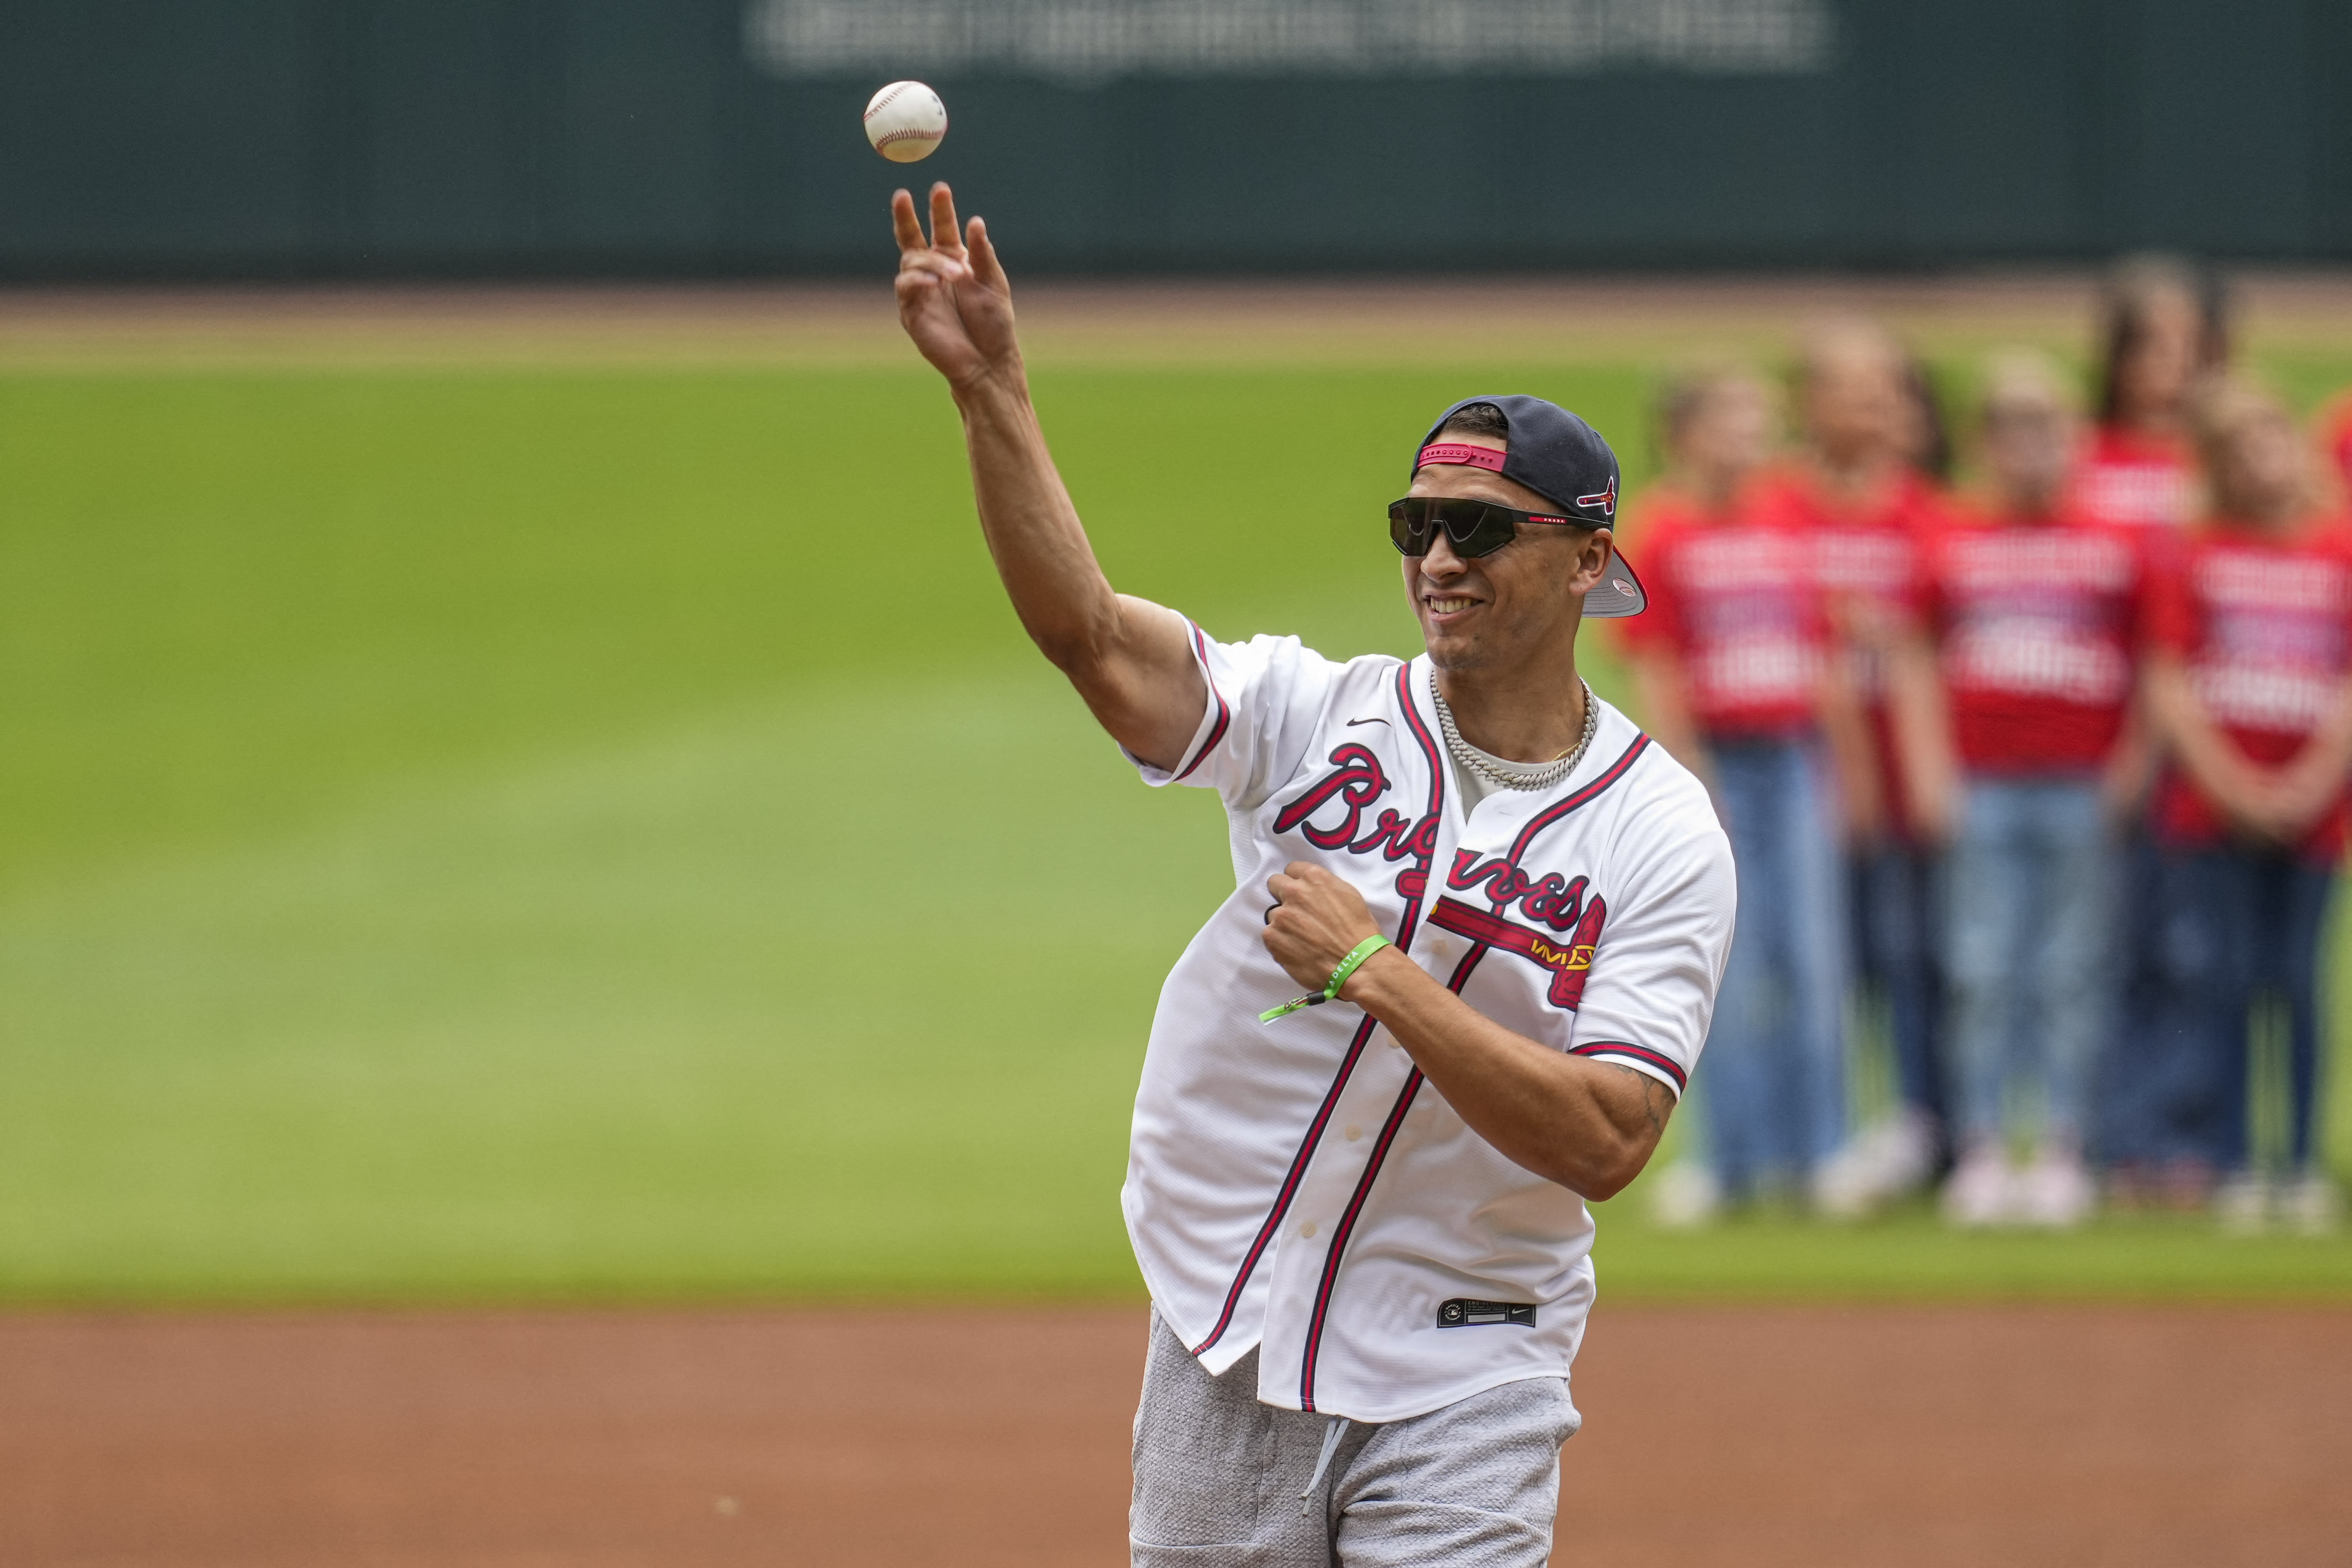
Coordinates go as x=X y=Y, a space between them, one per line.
x=1463 y=1313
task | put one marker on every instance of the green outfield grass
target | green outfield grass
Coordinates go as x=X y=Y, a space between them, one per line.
x=602 y=835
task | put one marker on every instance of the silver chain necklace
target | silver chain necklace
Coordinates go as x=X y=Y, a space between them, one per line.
x=1548 y=776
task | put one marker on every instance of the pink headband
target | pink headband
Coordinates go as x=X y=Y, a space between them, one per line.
x=1456 y=453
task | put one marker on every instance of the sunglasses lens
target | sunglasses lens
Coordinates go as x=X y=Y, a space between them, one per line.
x=1409 y=527
x=1491 y=529
x=1472 y=527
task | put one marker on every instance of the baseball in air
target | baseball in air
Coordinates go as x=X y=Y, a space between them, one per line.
x=906 y=120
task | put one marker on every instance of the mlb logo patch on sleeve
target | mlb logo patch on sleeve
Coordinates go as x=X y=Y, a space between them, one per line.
x=1461 y=1314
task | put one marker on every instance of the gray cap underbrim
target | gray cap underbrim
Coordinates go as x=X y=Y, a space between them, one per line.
x=1617 y=594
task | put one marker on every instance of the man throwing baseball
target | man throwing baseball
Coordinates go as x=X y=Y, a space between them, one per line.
x=1461 y=980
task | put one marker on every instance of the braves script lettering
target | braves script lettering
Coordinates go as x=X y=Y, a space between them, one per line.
x=1355 y=782
x=1558 y=903
x=1329 y=814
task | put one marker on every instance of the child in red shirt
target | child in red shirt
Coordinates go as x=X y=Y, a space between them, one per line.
x=2252 y=686
x=2036 y=612
x=2164 y=334
x=1732 y=664
x=1857 y=494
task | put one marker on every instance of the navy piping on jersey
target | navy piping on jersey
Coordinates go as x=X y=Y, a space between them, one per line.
x=1224 y=711
x=1346 y=1227
x=1405 y=924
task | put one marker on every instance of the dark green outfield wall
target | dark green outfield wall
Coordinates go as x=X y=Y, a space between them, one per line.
x=359 y=138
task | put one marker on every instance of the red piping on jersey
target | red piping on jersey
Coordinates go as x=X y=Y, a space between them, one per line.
x=1405 y=924
x=1545 y=819
x=1658 y=1060
x=1224 y=713
x=1616 y=769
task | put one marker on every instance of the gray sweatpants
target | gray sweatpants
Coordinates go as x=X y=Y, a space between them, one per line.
x=1219 y=1477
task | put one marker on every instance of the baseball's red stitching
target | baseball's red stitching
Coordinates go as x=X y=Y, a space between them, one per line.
x=879 y=104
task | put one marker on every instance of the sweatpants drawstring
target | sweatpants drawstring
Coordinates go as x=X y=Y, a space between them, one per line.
x=1323 y=1460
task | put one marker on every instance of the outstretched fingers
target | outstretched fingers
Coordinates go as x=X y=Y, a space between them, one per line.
x=947 y=234
x=903 y=223
x=983 y=255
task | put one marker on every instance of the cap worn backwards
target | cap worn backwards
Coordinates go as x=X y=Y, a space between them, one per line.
x=1561 y=458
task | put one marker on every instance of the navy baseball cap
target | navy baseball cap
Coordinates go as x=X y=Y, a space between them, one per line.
x=1561 y=458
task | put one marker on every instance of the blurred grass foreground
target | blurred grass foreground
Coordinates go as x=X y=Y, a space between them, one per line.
x=593 y=830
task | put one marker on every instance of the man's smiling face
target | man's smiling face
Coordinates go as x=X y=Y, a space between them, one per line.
x=1525 y=599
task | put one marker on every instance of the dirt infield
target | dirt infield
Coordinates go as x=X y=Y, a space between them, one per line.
x=1753 y=1435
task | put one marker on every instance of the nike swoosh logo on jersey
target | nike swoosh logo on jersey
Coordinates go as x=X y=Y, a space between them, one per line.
x=1353 y=723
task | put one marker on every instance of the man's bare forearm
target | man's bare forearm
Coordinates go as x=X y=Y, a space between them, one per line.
x=1057 y=588
x=1589 y=1126
x=1127 y=657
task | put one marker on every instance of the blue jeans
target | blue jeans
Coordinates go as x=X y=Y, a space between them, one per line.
x=1775 y=1094
x=2128 y=1115
x=1897 y=951
x=2233 y=925
x=2031 y=955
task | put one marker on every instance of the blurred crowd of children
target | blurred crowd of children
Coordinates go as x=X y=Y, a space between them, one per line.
x=2044 y=773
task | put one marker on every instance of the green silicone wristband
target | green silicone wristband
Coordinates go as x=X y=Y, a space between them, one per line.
x=1348 y=965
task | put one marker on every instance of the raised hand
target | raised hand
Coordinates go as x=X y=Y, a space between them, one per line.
x=953 y=297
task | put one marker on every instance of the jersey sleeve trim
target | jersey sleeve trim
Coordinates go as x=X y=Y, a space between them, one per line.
x=1224 y=718
x=1657 y=1064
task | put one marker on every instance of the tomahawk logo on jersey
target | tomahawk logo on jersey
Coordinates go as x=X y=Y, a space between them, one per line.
x=1301 y=1188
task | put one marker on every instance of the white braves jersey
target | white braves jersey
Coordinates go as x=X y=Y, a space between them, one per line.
x=1299 y=1185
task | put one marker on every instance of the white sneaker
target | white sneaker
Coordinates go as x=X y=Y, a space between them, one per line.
x=1907 y=1156
x=2242 y=1203
x=1846 y=1184
x=1979 y=1192
x=2055 y=1191
x=2312 y=1203
x=1685 y=1195
x=1891 y=1160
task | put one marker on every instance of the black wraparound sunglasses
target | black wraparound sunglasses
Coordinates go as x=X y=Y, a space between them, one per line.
x=1474 y=528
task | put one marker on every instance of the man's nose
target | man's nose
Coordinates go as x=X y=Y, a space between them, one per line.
x=1441 y=561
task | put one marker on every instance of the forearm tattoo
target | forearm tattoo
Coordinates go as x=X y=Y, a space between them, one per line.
x=1657 y=1101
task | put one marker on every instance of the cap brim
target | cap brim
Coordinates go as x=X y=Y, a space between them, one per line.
x=1618 y=593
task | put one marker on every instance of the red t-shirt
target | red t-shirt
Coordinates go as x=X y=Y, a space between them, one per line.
x=2133 y=480
x=1867 y=559
x=2265 y=625
x=1731 y=593
x=2038 y=622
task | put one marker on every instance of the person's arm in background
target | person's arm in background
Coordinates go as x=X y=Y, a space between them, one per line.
x=1662 y=688
x=2299 y=791
x=2220 y=771
x=1919 y=712
x=1131 y=660
x=2129 y=777
x=2131 y=767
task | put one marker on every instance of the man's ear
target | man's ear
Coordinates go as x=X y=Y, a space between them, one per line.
x=1593 y=556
